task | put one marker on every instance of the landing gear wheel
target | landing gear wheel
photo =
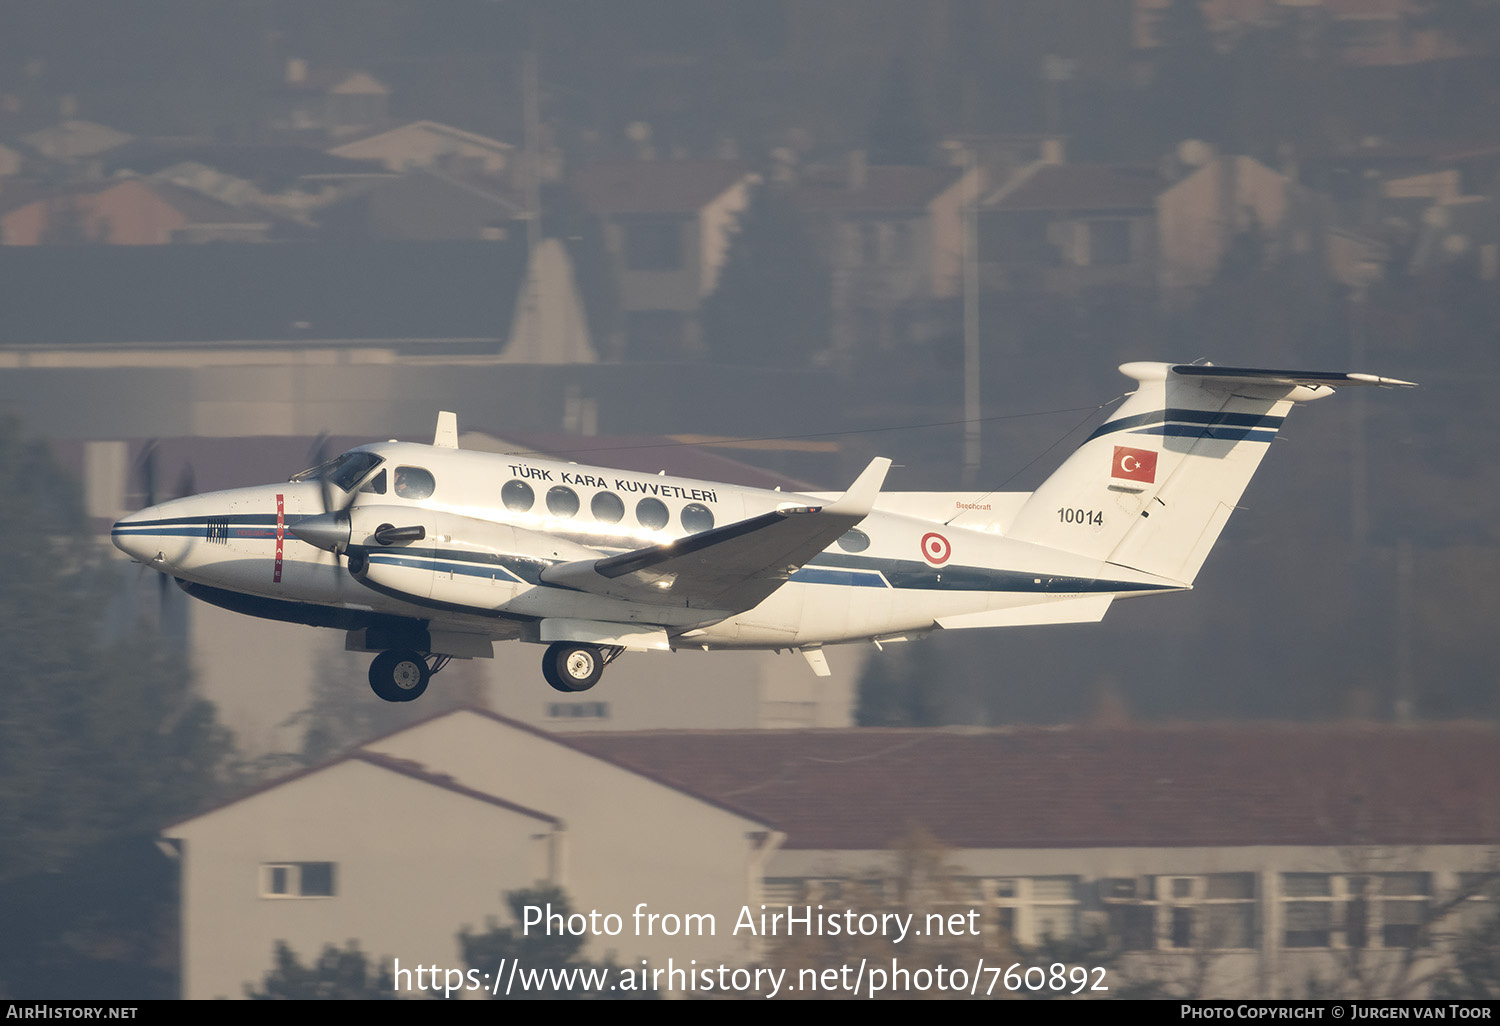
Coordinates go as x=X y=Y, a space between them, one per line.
x=570 y=667
x=399 y=676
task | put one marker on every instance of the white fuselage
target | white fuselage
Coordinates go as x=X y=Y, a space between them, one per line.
x=474 y=571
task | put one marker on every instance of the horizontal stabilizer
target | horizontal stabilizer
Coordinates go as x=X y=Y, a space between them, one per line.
x=1311 y=379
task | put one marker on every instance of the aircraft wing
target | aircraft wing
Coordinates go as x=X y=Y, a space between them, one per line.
x=730 y=568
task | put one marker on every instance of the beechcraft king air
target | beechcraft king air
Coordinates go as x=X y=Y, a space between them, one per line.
x=423 y=553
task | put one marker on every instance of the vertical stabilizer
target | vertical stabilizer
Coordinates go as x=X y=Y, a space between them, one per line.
x=1153 y=486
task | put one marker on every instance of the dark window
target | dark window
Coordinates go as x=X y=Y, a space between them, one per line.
x=652 y=513
x=854 y=540
x=414 y=483
x=607 y=508
x=1135 y=925
x=1109 y=242
x=562 y=501
x=517 y=496
x=653 y=244
x=376 y=484
x=317 y=879
x=1182 y=928
x=696 y=517
x=655 y=334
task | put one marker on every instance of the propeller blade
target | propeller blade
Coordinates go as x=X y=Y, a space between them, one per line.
x=147 y=469
x=186 y=482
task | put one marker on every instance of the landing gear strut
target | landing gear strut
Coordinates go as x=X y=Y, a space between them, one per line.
x=402 y=676
x=570 y=666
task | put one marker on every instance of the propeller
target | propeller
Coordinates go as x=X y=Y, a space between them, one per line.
x=330 y=529
x=148 y=469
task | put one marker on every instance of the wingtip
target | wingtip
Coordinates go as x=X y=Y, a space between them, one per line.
x=859 y=499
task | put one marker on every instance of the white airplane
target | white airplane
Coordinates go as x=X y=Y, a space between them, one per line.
x=423 y=553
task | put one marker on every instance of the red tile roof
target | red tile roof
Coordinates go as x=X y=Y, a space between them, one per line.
x=1083 y=187
x=655 y=186
x=1182 y=786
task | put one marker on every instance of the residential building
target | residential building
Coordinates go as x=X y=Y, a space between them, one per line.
x=332 y=102
x=133 y=212
x=418 y=835
x=1227 y=861
x=430 y=144
x=893 y=238
x=1232 y=861
x=666 y=229
x=1070 y=228
x=1200 y=215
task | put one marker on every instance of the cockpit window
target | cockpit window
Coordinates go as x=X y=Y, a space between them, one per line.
x=376 y=484
x=414 y=483
x=346 y=471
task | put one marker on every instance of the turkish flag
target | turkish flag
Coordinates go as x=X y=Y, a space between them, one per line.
x=1134 y=464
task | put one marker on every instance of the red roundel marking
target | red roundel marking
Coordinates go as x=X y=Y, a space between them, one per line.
x=935 y=548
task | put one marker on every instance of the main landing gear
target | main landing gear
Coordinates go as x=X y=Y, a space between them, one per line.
x=570 y=666
x=399 y=676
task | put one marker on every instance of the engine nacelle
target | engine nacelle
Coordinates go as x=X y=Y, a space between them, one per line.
x=458 y=561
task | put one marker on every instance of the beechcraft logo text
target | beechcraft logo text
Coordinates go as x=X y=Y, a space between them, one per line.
x=1134 y=464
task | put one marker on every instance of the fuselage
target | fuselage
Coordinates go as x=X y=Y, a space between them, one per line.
x=492 y=523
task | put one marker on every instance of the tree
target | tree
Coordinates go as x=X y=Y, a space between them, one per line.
x=102 y=743
x=338 y=975
x=1475 y=971
x=539 y=951
x=772 y=304
x=103 y=735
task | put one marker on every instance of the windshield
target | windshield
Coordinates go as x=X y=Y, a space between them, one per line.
x=346 y=471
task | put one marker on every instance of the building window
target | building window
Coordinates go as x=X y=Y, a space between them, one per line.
x=578 y=710
x=653 y=244
x=1109 y=242
x=297 y=880
x=1308 y=910
x=1034 y=910
x=1356 y=910
x=1215 y=911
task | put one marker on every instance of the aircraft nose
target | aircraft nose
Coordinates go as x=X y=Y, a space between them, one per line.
x=133 y=535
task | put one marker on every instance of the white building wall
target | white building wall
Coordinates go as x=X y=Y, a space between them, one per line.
x=631 y=841
x=413 y=863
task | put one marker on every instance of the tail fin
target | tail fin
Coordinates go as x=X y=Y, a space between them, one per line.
x=1152 y=487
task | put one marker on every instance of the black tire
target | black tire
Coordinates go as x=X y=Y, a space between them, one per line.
x=571 y=667
x=399 y=676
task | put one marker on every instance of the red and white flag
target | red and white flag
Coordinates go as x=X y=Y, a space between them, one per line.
x=1134 y=464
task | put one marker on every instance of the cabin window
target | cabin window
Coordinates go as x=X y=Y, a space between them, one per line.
x=696 y=517
x=652 y=513
x=854 y=540
x=517 y=496
x=607 y=508
x=414 y=483
x=562 y=501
